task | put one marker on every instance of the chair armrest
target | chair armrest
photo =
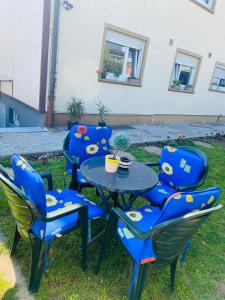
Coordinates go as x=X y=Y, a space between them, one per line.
x=72 y=159
x=63 y=212
x=152 y=164
x=134 y=229
x=47 y=175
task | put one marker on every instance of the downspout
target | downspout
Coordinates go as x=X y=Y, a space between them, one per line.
x=54 y=51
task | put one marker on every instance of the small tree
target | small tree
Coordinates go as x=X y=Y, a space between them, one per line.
x=103 y=110
x=76 y=109
x=120 y=142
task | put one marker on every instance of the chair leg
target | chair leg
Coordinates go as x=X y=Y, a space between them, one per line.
x=137 y=281
x=79 y=188
x=173 y=267
x=84 y=234
x=15 y=241
x=109 y=232
x=39 y=257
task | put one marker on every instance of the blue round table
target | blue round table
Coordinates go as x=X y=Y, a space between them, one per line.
x=138 y=179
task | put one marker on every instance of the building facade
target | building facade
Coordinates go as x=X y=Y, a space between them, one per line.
x=147 y=62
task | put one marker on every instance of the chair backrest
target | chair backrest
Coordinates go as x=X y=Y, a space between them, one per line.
x=19 y=205
x=30 y=182
x=170 y=237
x=183 y=167
x=182 y=203
x=88 y=141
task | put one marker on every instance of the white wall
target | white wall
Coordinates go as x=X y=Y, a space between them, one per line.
x=20 y=47
x=191 y=27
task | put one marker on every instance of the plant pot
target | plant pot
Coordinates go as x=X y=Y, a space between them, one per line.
x=124 y=163
x=214 y=87
x=102 y=124
x=111 y=163
x=71 y=123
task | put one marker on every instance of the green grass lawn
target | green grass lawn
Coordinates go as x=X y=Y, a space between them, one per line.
x=202 y=276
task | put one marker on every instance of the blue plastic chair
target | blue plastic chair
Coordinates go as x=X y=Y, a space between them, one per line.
x=44 y=215
x=81 y=143
x=180 y=169
x=136 y=231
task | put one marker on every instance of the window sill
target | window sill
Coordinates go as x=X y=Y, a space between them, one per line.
x=121 y=82
x=181 y=91
x=211 y=10
x=217 y=91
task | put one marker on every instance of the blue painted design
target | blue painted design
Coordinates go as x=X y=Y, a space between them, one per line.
x=177 y=168
x=88 y=141
x=148 y=216
x=28 y=180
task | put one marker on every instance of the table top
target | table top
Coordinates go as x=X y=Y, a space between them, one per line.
x=139 y=178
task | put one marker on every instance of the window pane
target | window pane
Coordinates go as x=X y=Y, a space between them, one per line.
x=113 y=61
x=184 y=77
x=122 y=59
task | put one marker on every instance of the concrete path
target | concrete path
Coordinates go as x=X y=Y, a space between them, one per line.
x=11 y=274
x=52 y=140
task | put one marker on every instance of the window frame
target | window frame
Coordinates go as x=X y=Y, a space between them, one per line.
x=144 y=56
x=205 y=6
x=219 y=64
x=188 y=53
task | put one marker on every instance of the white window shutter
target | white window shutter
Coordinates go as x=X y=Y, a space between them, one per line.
x=219 y=72
x=187 y=60
x=124 y=40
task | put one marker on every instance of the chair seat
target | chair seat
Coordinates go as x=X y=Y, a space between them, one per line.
x=58 y=199
x=159 y=193
x=80 y=178
x=145 y=218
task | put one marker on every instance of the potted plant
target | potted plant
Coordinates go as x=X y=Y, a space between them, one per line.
x=121 y=142
x=222 y=87
x=76 y=109
x=176 y=84
x=103 y=110
x=189 y=87
x=214 y=86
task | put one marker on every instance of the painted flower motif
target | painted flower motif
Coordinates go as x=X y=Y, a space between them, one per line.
x=177 y=196
x=68 y=203
x=19 y=163
x=78 y=135
x=170 y=149
x=86 y=138
x=135 y=216
x=211 y=199
x=51 y=200
x=148 y=210
x=22 y=164
x=92 y=149
x=105 y=148
x=167 y=168
x=189 y=198
x=103 y=141
x=82 y=129
x=162 y=191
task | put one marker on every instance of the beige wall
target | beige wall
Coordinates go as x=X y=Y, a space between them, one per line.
x=191 y=27
x=20 y=49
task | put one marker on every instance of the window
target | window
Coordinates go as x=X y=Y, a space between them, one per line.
x=185 y=71
x=123 y=56
x=218 y=78
x=13 y=117
x=208 y=4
